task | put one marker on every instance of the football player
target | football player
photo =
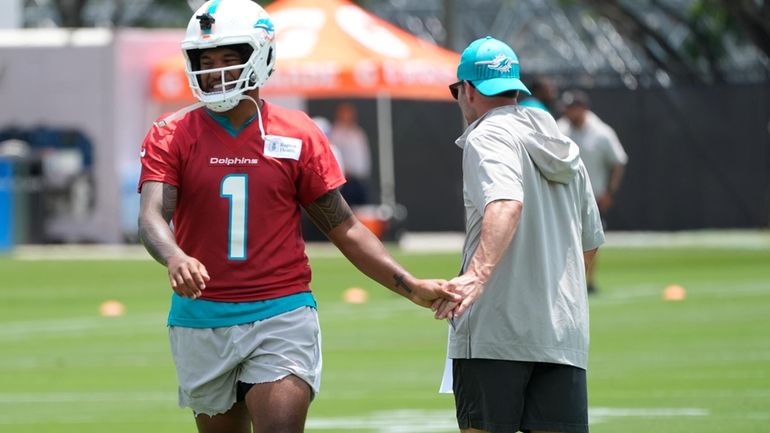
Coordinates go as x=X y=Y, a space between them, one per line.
x=222 y=185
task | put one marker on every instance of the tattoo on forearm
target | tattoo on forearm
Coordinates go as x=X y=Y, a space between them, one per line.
x=329 y=211
x=401 y=284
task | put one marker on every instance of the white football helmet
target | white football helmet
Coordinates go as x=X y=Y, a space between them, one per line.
x=246 y=27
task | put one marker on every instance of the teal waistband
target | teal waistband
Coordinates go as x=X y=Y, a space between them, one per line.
x=200 y=313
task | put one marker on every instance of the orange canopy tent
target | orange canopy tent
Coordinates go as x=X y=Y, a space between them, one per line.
x=332 y=49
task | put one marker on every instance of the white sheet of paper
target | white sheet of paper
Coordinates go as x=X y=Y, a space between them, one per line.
x=447 y=380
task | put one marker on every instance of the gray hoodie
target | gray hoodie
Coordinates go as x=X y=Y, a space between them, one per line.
x=556 y=156
x=534 y=306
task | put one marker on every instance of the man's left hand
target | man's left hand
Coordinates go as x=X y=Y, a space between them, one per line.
x=425 y=292
x=469 y=286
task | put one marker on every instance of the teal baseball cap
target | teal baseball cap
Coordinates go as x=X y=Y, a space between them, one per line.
x=491 y=66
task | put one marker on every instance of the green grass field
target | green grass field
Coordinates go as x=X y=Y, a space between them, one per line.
x=698 y=365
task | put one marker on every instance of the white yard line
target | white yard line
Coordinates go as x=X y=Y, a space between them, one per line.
x=397 y=421
x=86 y=397
x=428 y=243
x=129 y=324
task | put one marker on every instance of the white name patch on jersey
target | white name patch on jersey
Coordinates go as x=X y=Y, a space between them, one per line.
x=277 y=146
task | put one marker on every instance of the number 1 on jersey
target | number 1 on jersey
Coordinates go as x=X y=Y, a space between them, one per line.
x=235 y=188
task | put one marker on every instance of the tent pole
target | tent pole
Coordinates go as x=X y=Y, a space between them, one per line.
x=385 y=152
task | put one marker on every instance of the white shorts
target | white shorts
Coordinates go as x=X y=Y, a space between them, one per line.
x=211 y=361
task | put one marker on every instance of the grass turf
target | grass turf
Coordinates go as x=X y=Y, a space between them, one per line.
x=702 y=364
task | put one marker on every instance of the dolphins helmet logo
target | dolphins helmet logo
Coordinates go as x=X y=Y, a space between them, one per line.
x=267 y=26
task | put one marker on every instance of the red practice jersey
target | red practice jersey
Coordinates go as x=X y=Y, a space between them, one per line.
x=238 y=203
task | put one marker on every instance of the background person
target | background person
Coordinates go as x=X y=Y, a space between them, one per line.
x=326 y=127
x=231 y=172
x=601 y=152
x=353 y=144
x=519 y=340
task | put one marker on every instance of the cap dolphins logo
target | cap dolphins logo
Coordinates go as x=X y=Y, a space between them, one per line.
x=501 y=63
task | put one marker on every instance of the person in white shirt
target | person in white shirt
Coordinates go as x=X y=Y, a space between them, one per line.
x=326 y=127
x=353 y=145
x=600 y=150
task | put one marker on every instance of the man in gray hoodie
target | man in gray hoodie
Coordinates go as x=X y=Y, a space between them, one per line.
x=519 y=340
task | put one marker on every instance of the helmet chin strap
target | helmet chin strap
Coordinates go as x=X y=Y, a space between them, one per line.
x=259 y=115
x=181 y=112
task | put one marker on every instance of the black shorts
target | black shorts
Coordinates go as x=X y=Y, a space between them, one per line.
x=510 y=396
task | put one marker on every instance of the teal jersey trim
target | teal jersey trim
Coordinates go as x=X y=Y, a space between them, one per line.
x=224 y=122
x=200 y=313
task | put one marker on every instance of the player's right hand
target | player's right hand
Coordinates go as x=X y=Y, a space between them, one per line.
x=425 y=292
x=187 y=275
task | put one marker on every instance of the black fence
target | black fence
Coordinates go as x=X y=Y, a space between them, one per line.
x=699 y=157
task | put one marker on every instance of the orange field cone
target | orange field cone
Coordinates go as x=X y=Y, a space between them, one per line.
x=112 y=309
x=674 y=292
x=355 y=295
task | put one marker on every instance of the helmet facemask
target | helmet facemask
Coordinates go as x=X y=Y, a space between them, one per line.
x=228 y=91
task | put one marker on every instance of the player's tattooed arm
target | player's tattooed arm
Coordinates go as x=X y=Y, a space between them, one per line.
x=156 y=208
x=365 y=251
x=187 y=275
x=329 y=211
x=401 y=284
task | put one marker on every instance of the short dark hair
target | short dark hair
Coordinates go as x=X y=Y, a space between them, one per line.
x=507 y=94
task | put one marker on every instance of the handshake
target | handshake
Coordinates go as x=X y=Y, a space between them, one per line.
x=447 y=299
